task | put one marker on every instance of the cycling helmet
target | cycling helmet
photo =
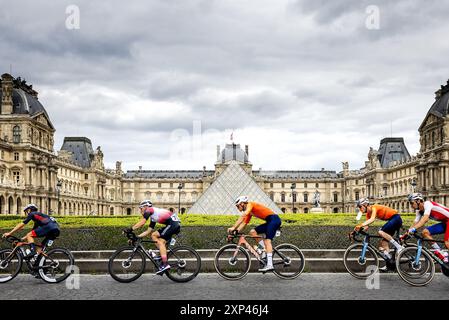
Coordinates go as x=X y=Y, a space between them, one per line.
x=31 y=206
x=145 y=203
x=242 y=199
x=362 y=202
x=415 y=197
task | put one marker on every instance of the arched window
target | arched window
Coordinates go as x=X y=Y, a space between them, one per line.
x=306 y=210
x=282 y=197
x=111 y=211
x=16 y=133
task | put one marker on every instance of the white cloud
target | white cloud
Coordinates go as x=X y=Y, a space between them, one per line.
x=304 y=83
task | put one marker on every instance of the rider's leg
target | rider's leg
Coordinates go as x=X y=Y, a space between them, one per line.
x=30 y=239
x=161 y=245
x=389 y=229
x=255 y=233
x=435 y=229
x=273 y=224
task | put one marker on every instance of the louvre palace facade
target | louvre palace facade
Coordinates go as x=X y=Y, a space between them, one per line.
x=74 y=180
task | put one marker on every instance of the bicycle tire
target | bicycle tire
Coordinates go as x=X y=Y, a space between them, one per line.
x=408 y=255
x=284 y=263
x=179 y=265
x=66 y=271
x=360 y=264
x=140 y=270
x=5 y=253
x=222 y=255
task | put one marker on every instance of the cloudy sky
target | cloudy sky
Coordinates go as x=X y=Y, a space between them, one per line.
x=158 y=84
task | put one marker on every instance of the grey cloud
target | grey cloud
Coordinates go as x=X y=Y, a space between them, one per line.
x=232 y=65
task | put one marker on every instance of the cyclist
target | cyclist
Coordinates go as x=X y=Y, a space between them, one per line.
x=161 y=236
x=394 y=223
x=426 y=210
x=44 y=226
x=269 y=228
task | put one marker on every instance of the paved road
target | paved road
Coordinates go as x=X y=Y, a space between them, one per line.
x=211 y=286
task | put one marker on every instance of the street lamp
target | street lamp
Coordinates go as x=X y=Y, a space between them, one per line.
x=180 y=186
x=293 y=187
x=58 y=190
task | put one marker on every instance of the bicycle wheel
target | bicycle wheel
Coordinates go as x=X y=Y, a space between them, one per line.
x=416 y=273
x=57 y=266
x=185 y=264
x=127 y=264
x=288 y=261
x=10 y=265
x=232 y=262
x=358 y=267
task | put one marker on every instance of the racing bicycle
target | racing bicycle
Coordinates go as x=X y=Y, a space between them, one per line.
x=233 y=261
x=129 y=263
x=361 y=259
x=51 y=265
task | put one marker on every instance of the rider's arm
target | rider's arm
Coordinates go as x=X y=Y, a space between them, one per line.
x=148 y=231
x=236 y=224
x=371 y=219
x=139 y=224
x=415 y=222
x=243 y=220
x=17 y=228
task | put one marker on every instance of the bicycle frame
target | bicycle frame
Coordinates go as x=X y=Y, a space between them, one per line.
x=366 y=243
x=420 y=241
x=19 y=248
x=243 y=242
x=139 y=245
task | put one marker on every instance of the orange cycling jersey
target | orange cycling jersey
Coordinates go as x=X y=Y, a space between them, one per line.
x=382 y=212
x=257 y=210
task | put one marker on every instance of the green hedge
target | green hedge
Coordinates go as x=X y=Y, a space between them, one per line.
x=206 y=237
x=202 y=220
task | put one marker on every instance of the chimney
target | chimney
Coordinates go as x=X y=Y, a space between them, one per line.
x=247 y=150
x=7 y=85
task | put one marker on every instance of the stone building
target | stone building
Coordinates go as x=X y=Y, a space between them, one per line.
x=74 y=180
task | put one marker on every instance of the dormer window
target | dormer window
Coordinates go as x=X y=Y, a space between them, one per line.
x=16 y=134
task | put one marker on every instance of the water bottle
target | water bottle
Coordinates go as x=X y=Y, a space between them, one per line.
x=27 y=252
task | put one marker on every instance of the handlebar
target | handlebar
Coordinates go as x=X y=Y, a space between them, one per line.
x=354 y=234
x=130 y=235
x=12 y=239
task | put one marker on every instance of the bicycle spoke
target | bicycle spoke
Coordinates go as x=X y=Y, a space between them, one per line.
x=358 y=265
x=232 y=262
x=288 y=261
x=126 y=264
x=185 y=264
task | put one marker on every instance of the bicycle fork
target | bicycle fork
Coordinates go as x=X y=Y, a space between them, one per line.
x=418 y=253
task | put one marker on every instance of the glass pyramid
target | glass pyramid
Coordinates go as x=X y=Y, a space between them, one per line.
x=233 y=182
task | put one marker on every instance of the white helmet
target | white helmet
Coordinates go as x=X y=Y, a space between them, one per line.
x=145 y=203
x=242 y=199
x=415 y=196
x=362 y=202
